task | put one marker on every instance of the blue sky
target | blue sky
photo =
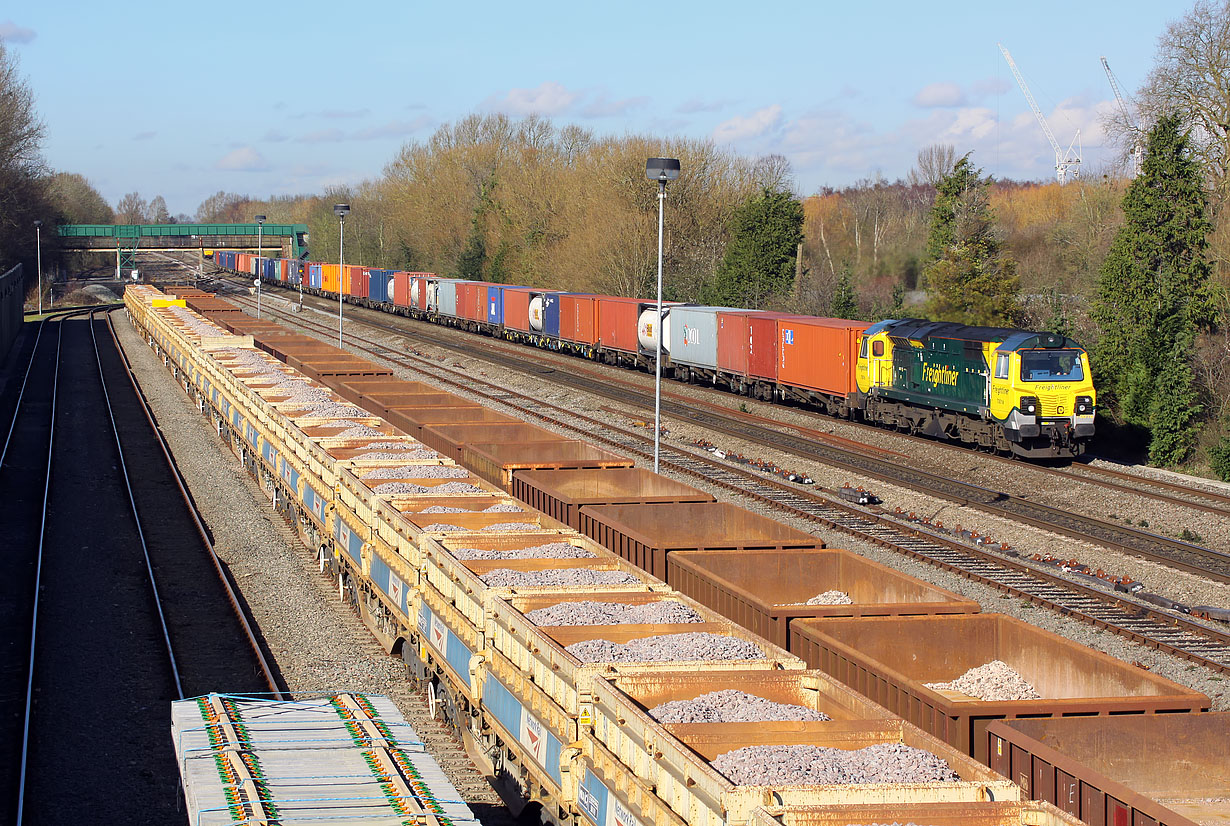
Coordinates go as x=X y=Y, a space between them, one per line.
x=183 y=99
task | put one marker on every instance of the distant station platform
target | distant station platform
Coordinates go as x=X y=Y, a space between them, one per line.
x=335 y=759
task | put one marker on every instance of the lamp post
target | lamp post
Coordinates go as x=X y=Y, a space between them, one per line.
x=38 y=243
x=661 y=170
x=260 y=266
x=341 y=211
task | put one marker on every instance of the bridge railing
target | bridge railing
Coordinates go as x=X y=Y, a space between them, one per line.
x=129 y=232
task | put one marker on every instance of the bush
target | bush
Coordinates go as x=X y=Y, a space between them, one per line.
x=1219 y=459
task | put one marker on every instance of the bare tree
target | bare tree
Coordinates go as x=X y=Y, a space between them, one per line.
x=158 y=212
x=1191 y=78
x=131 y=209
x=934 y=162
x=78 y=201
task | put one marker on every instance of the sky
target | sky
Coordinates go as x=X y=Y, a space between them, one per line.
x=184 y=100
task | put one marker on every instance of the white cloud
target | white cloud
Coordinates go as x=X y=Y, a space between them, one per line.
x=243 y=159
x=939 y=94
x=602 y=106
x=751 y=126
x=10 y=32
x=393 y=129
x=549 y=98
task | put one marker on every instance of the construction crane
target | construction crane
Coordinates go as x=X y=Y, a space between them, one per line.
x=1067 y=164
x=1138 y=151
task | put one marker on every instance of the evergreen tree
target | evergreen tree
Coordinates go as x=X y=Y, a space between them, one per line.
x=1154 y=288
x=759 y=263
x=844 y=303
x=1175 y=407
x=970 y=279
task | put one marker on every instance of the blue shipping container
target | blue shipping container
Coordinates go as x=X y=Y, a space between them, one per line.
x=314 y=276
x=495 y=305
x=380 y=285
x=550 y=314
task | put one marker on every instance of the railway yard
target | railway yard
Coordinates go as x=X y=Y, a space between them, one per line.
x=803 y=620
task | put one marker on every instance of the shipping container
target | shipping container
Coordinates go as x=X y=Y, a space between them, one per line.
x=645 y=534
x=544 y=311
x=329 y=278
x=449 y=438
x=693 y=335
x=516 y=309
x=498 y=462
x=357 y=280
x=497 y=299
x=819 y=354
x=445 y=297
x=891 y=659
x=470 y=300
x=316 y=275
x=765 y=591
x=578 y=318
x=418 y=291
x=378 y=285
x=617 y=323
x=1142 y=770
x=562 y=494
x=401 y=289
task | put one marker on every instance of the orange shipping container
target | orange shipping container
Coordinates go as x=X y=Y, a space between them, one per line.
x=329 y=281
x=818 y=353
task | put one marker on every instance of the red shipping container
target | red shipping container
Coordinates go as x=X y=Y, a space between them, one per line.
x=617 y=319
x=734 y=342
x=762 y=344
x=356 y=281
x=401 y=289
x=517 y=309
x=578 y=318
x=470 y=296
x=818 y=353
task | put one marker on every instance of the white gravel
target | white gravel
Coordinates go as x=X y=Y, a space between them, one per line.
x=550 y=550
x=588 y=612
x=666 y=648
x=504 y=507
x=445 y=509
x=833 y=597
x=442 y=527
x=455 y=489
x=399 y=487
x=816 y=765
x=559 y=577
x=731 y=706
x=417 y=472
x=995 y=681
x=511 y=526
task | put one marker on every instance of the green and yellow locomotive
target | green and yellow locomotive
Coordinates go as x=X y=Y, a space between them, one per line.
x=1008 y=390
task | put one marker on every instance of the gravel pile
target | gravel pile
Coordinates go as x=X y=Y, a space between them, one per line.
x=387 y=454
x=790 y=765
x=588 y=612
x=503 y=507
x=551 y=550
x=668 y=647
x=455 y=488
x=330 y=409
x=511 y=526
x=560 y=577
x=833 y=597
x=445 y=509
x=994 y=681
x=399 y=487
x=438 y=527
x=357 y=431
x=731 y=706
x=416 y=472
x=195 y=323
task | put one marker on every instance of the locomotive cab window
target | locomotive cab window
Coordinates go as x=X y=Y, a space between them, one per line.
x=1051 y=365
x=1001 y=365
x=862 y=348
x=877 y=348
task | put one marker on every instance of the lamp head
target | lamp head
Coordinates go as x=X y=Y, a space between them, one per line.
x=38 y=224
x=260 y=219
x=662 y=169
x=341 y=210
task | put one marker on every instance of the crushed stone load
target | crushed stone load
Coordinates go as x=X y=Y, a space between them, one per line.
x=996 y=681
x=511 y=526
x=417 y=472
x=455 y=488
x=503 y=507
x=588 y=612
x=559 y=577
x=399 y=487
x=437 y=527
x=731 y=706
x=445 y=509
x=814 y=765
x=358 y=431
x=833 y=597
x=665 y=648
x=550 y=550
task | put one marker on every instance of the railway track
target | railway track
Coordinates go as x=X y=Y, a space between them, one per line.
x=1190 y=639
x=122 y=615
x=1187 y=556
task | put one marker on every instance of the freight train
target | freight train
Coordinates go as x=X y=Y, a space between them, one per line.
x=1011 y=391
x=449 y=572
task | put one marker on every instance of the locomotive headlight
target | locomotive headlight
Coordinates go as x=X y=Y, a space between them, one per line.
x=1029 y=405
x=1084 y=405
